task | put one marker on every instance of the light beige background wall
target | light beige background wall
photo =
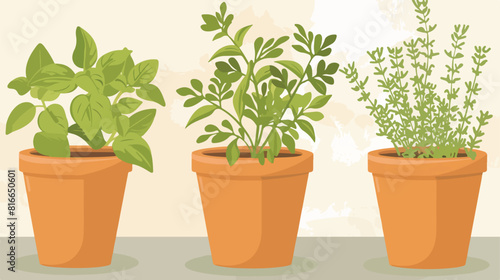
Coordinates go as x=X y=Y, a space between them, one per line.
x=340 y=199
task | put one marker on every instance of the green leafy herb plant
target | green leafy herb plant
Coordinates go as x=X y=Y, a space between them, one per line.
x=264 y=91
x=432 y=125
x=95 y=115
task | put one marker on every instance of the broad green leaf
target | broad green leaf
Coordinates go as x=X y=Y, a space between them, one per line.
x=21 y=85
x=289 y=142
x=39 y=58
x=227 y=124
x=201 y=113
x=20 y=117
x=53 y=120
x=263 y=74
x=122 y=125
x=140 y=122
x=85 y=116
x=85 y=54
x=307 y=128
x=226 y=51
x=55 y=77
x=91 y=80
x=143 y=73
x=96 y=143
x=102 y=106
x=232 y=152
x=52 y=145
x=319 y=102
x=120 y=84
x=111 y=64
x=293 y=66
x=128 y=65
x=151 y=93
x=240 y=35
x=134 y=150
x=239 y=105
x=44 y=94
x=197 y=85
x=109 y=90
x=211 y=128
x=128 y=105
x=315 y=116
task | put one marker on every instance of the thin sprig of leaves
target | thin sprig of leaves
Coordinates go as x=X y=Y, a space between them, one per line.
x=430 y=126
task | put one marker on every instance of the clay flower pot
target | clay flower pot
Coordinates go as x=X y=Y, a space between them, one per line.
x=252 y=211
x=427 y=207
x=75 y=204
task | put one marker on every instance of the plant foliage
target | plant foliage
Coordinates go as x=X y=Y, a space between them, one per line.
x=264 y=90
x=431 y=125
x=94 y=114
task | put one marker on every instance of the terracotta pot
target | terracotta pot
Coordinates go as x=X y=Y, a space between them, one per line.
x=252 y=212
x=427 y=207
x=75 y=204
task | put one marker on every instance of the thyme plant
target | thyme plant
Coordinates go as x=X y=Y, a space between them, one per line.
x=266 y=97
x=432 y=125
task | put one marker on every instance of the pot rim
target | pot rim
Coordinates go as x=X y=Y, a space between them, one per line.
x=379 y=163
x=32 y=163
x=202 y=163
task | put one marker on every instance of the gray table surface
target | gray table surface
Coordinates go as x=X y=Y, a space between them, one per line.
x=152 y=258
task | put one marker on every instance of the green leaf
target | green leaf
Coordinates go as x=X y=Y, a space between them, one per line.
x=85 y=54
x=293 y=66
x=120 y=84
x=203 y=138
x=185 y=91
x=21 y=85
x=122 y=125
x=226 y=51
x=239 y=105
x=96 y=143
x=151 y=93
x=289 y=142
x=274 y=142
x=143 y=73
x=109 y=90
x=84 y=115
x=319 y=102
x=140 y=122
x=307 y=128
x=52 y=145
x=274 y=54
x=197 y=85
x=20 y=117
x=315 y=116
x=91 y=80
x=39 y=58
x=128 y=65
x=193 y=101
x=101 y=106
x=232 y=152
x=221 y=137
x=227 y=124
x=201 y=113
x=128 y=105
x=53 y=120
x=319 y=86
x=44 y=94
x=263 y=74
x=134 y=150
x=111 y=64
x=211 y=23
x=240 y=35
x=56 y=77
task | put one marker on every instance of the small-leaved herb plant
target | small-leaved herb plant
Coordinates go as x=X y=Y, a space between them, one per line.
x=95 y=115
x=264 y=91
x=430 y=126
